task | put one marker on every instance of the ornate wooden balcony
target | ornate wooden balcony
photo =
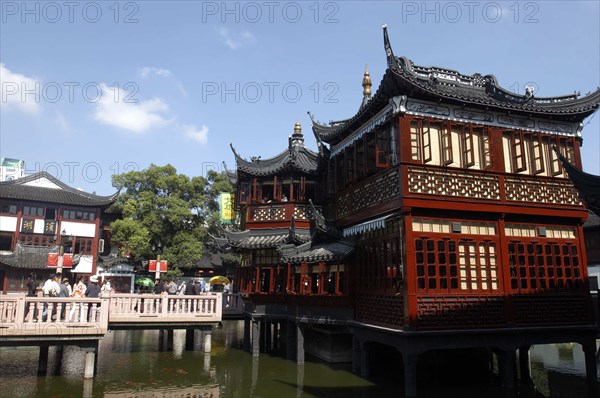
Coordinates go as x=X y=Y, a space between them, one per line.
x=427 y=182
x=278 y=212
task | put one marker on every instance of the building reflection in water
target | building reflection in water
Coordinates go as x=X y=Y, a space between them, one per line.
x=130 y=364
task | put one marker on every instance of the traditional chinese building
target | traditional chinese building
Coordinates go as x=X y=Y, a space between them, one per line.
x=46 y=225
x=442 y=213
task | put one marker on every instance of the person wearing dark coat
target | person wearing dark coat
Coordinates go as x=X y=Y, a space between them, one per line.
x=191 y=289
x=159 y=286
x=93 y=290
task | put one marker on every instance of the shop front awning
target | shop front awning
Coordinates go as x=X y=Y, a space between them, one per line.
x=84 y=266
x=366 y=226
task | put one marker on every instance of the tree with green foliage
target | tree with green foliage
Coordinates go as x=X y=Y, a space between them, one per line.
x=160 y=206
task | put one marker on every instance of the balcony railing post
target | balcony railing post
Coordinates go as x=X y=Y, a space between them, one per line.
x=20 y=315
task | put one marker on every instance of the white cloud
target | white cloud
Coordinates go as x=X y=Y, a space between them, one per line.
x=139 y=117
x=236 y=40
x=147 y=71
x=193 y=133
x=19 y=91
x=151 y=70
x=62 y=122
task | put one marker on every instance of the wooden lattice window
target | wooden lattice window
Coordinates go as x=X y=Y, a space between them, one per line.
x=536 y=154
x=349 y=156
x=456 y=265
x=360 y=159
x=467 y=146
x=519 y=163
x=426 y=139
x=379 y=260
x=37 y=240
x=486 y=149
x=382 y=149
x=6 y=208
x=445 y=144
x=415 y=140
x=33 y=211
x=537 y=265
x=339 y=172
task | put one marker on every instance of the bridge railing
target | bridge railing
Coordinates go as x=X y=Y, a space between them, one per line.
x=233 y=304
x=152 y=308
x=23 y=316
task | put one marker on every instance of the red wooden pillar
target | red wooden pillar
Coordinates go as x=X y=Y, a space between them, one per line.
x=410 y=284
x=509 y=314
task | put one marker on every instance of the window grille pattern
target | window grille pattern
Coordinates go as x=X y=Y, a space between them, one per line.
x=447 y=183
x=445 y=226
x=456 y=265
x=538 y=191
x=537 y=265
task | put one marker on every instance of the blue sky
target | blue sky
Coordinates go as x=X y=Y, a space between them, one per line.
x=115 y=86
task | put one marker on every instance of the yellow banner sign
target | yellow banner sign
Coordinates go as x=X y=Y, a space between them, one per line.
x=226 y=207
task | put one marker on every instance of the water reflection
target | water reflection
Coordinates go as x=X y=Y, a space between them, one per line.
x=131 y=363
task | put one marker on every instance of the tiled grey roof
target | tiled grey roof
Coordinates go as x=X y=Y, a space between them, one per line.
x=587 y=184
x=30 y=257
x=18 y=190
x=262 y=238
x=403 y=77
x=593 y=221
x=299 y=158
x=333 y=251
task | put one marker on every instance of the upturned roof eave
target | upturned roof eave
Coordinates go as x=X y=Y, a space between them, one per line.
x=18 y=190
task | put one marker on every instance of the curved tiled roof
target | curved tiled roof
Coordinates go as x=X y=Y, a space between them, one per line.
x=263 y=238
x=587 y=184
x=403 y=77
x=333 y=251
x=25 y=189
x=593 y=221
x=297 y=158
x=30 y=257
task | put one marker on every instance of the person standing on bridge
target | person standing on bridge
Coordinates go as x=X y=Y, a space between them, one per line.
x=51 y=289
x=79 y=289
x=92 y=291
x=65 y=291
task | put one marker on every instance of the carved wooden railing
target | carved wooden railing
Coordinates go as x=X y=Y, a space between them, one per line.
x=482 y=185
x=279 y=211
x=153 y=308
x=52 y=316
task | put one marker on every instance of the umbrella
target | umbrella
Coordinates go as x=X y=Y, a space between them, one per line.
x=218 y=280
x=145 y=282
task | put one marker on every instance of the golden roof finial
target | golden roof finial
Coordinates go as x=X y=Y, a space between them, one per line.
x=366 y=83
x=297 y=128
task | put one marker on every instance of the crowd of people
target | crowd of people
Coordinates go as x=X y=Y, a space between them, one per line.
x=57 y=286
x=183 y=288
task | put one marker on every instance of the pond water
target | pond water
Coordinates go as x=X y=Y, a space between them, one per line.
x=131 y=364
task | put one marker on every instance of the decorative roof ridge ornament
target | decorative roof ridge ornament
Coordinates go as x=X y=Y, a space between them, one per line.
x=391 y=59
x=366 y=83
x=296 y=140
x=323 y=150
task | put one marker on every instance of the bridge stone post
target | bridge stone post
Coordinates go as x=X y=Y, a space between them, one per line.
x=207 y=338
x=90 y=362
x=189 y=339
x=43 y=360
x=299 y=344
x=255 y=337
